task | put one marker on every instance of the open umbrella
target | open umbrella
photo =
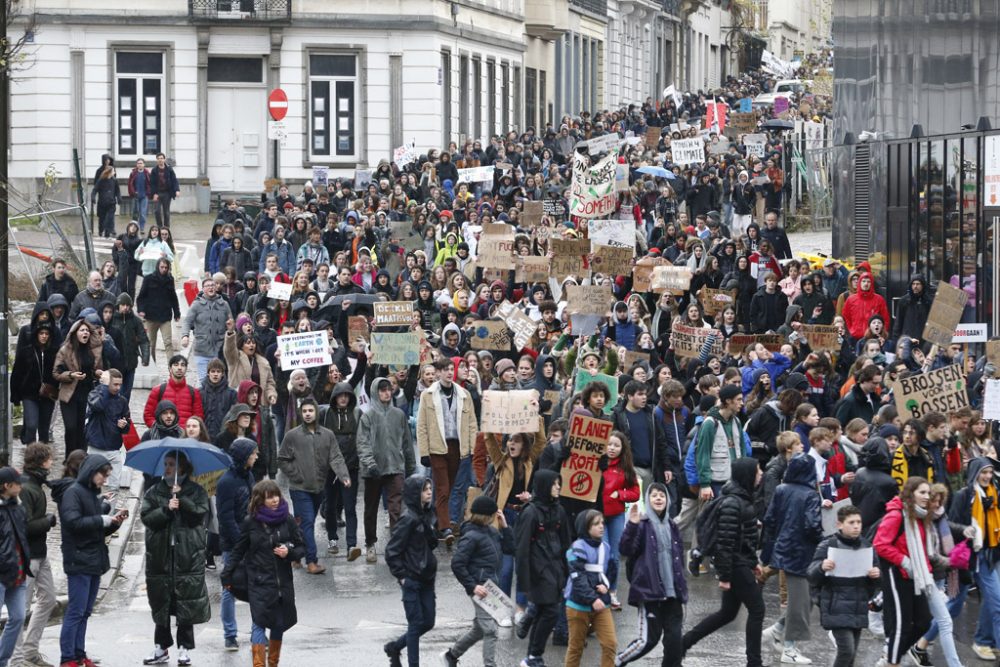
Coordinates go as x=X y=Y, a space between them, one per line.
x=659 y=172
x=148 y=456
x=778 y=124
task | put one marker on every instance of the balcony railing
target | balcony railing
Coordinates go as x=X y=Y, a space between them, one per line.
x=240 y=10
x=599 y=7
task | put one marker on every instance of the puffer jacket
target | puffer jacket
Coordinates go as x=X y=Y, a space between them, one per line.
x=81 y=519
x=860 y=306
x=410 y=552
x=207 y=319
x=843 y=601
x=543 y=536
x=14 y=551
x=890 y=540
x=738 y=534
x=793 y=526
x=873 y=485
x=479 y=554
x=185 y=398
x=232 y=495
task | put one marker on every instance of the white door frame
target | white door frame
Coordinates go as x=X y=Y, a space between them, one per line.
x=265 y=148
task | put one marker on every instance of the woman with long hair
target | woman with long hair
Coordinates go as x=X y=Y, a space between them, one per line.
x=152 y=250
x=107 y=194
x=977 y=441
x=270 y=541
x=621 y=486
x=77 y=369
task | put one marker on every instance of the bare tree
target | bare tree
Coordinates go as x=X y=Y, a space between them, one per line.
x=15 y=51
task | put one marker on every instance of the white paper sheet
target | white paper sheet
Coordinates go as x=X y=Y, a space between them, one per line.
x=850 y=562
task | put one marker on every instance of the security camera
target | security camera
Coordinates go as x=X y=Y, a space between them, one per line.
x=867 y=136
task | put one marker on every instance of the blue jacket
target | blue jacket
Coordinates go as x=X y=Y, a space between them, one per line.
x=285 y=254
x=215 y=254
x=232 y=495
x=581 y=586
x=625 y=334
x=775 y=366
x=104 y=411
x=793 y=525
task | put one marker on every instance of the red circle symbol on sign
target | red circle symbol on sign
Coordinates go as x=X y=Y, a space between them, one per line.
x=277 y=104
x=580 y=483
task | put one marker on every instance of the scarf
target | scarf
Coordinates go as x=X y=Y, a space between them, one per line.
x=664 y=552
x=919 y=551
x=272 y=517
x=944 y=543
x=986 y=514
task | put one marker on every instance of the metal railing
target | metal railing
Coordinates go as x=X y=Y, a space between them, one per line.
x=240 y=10
x=599 y=7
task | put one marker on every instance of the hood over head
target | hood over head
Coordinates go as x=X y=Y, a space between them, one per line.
x=875 y=454
x=744 y=473
x=801 y=470
x=162 y=407
x=976 y=466
x=57 y=300
x=344 y=388
x=240 y=451
x=583 y=519
x=244 y=389
x=89 y=468
x=412 y=488
x=541 y=488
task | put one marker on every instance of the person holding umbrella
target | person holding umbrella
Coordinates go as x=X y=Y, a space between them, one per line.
x=173 y=512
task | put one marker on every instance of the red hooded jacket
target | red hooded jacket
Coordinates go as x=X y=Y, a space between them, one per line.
x=860 y=306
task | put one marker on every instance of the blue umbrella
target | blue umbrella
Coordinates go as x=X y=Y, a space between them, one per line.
x=659 y=172
x=148 y=456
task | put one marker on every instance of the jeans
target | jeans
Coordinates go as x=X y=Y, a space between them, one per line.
x=846 y=640
x=128 y=379
x=989 y=610
x=419 y=605
x=163 y=209
x=463 y=480
x=82 y=589
x=727 y=213
x=657 y=617
x=507 y=563
x=278 y=414
x=227 y=611
x=604 y=628
x=306 y=507
x=14 y=600
x=258 y=635
x=140 y=206
x=201 y=364
x=43 y=588
x=338 y=495
x=743 y=591
x=955 y=606
x=37 y=422
x=614 y=527
x=938 y=603
x=483 y=627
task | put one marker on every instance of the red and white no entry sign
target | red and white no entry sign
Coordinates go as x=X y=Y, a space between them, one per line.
x=277 y=104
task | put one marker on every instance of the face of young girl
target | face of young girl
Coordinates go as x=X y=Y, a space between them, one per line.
x=614 y=448
x=272 y=502
x=192 y=429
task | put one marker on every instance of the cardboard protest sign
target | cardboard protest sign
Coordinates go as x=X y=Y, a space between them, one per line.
x=304 y=350
x=531 y=214
x=946 y=313
x=741 y=123
x=552 y=396
x=670 y=278
x=714 y=301
x=943 y=390
x=652 y=136
x=780 y=105
x=612 y=232
x=612 y=259
x=642 y=272
x=357 y=327
x=279 y=291
x=522 y=326
x=583 y=378
x=495 y=251
x=821 y=337
x=592 y=192
x=688 y=151
x=630 y=358
x=771 y=342
x=589 y=299
x=568 y=256
x=687 y=341
x=510 y=411
x=396 y=349
x=394 y=314
x=320 y=177
x=491 y=335
x=756 y=144
x=587 y=441
x=209 y=481
x=500 y=229
x=531 y=269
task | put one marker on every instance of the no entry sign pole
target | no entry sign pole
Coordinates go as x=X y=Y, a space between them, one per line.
x=277 y=107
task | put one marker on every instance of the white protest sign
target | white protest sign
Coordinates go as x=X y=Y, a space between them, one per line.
x=991 y=400
x=279 y=291
x=592 y=193
x=404 y=155
x=672 y=93
x=476 y=175
x=510 y=411
x=304 y=350
x=755 y=144
x=688 y=151
x=850 y=563
x=603 y=143
x=150 y=254
x=619 y=233
x=320 y=177
x=814 y=135
x=519 y=323
x=970 y=333
x=496 y=603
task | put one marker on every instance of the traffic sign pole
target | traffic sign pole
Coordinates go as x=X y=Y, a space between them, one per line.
x=277 y=107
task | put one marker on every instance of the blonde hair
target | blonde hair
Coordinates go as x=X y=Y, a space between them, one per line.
x=786 y=440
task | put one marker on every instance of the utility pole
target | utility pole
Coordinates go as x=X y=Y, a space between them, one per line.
x=6 y=432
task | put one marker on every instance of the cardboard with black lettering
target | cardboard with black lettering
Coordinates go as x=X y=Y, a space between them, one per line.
x=821 y=337
x=531 y=269
x=676 y=279
x=587 y=441
x=688 y=341
x=394 y=314
x=491 y=335
x=589 y=299
x=510 y=412
x=567 y=256
x=714 y=301
x=642 y=272
x=613 y=260
x=771 y=342
x=943 y=390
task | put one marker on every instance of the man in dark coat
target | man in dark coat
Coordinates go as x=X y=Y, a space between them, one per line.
x=776 y=235
x=232 y=498
x=135 y=342
x=58 y=282
x=768 y=307
x=873 y=484
x=862 y=401
x=913 y=310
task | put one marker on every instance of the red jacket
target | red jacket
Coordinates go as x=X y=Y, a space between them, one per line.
x=614 y=480
x=860 y=306
x=890 y=540
x=764 y=265
x=149 y=182
x=186 y=398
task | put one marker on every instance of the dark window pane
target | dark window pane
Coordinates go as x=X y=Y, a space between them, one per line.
x=345 y=118
x=329 y=65
x=127 y=105
x=236 y=70
x=151 y=111
x=139 y=63
x=320 y=114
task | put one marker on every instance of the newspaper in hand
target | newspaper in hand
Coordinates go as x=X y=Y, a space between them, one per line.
x=496 y=603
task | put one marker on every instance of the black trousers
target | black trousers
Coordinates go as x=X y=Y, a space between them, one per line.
x=546 y=616
x=74 y=414
x=905 y=615
x=658 y=618
x=163 y=210
x=743 y=591
x=185 y=636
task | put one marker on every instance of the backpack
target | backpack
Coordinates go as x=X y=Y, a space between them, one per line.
x=163 y=389
x=707 y=526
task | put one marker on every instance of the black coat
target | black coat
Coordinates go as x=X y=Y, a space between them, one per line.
x=843 y=602
x=912 y=313
x=67 y=287
x=543 y=536
x=157 y=299
x=32 y=367
x=272 y=590
x=873 y=484
x=82 y=519
x=35 y=506
x=767 y=311
x=13 y=535
x=410 y=552
x=479 y=554
x=232 y=495
x=737 y=533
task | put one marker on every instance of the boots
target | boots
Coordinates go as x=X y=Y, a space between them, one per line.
x=273 y=653
x=259 y=652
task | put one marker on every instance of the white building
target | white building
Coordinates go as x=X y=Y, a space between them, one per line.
x=798 y=27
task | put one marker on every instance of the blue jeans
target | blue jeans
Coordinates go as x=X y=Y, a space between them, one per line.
x=614 y=526
x=140 y=206
x=227 y=611
x=988 y=625
x=306 y=507
x=14 y=600
x=128 y=379
x=258 y=635
x=37 y=423
x=507 y=564
x=940 y=608
x=419 y=605
x=955 y=606
x=201 y=364
x=337 y=496
x=463 y=480
x=82 y=589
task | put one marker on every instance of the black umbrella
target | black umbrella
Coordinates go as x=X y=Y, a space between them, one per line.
x=778 y=124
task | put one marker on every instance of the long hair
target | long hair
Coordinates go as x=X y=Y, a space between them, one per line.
x=626 y=460
x=262 y=490
x=202 y=429
x=906 y=495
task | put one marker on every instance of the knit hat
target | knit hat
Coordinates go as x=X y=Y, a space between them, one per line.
x=889 y=431
x=9 y=475
x=797 y=381
x=729 y=392
x=502 y=366
x=484 y=505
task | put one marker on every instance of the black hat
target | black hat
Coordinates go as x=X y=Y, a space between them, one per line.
x=729 y=392
x=484 y=505
x=9 y=475
x=797 y=381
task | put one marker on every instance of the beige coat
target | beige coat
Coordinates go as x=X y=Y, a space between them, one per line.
x=66 y=362
x=239 y=368
x=430 y=421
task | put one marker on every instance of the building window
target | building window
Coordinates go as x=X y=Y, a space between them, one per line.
x=530 y=98
x=477 y=99
x=504 y=98
x=446 y=96
x=542 y=100
x=332 y=105
x=139 y=93
x=463 y=97
x=235 y=70
x=517 y=97
x=491 y=98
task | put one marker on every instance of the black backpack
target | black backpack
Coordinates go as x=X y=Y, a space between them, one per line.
x=707 y=526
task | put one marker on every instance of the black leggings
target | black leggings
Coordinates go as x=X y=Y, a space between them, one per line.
x=546 y=616
x=906 y=616
x=74 y=414
x=743 y=591
x=185 y=636
x=656 y=618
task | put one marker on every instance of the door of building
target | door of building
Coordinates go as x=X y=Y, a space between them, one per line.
x=237 y=124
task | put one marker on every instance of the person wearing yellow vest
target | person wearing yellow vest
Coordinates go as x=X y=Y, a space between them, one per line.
x=911 y=458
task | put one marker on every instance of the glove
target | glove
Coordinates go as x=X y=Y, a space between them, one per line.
x=106 y=518
x=52 y=520
x=425 y=461
x=373 y=471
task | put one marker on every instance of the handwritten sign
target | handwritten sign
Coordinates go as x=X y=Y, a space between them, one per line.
x=496 y=252
x=993 y=354
x=552 y=396
x=612 y=260
x=688 y=341
x=476 y=175
x=942 y=391
x=531 y=215
x=630 y=358
x=520 y=324
x=150 y=254
x=670 y=279
x=642 y=272
x=357 y=327
x=945 y=314
x=568 y=256
x=553 y=207
x=603 y=143
x=592 y=191
x=688 y=151
x=491 y=335
x=589 y=299
x=771 y=342
x=821 y=337
x=496 y=603
x=583 y=378
x=531 y=269
x=304 y=350
x=755 y=144
x=587 y=441
x=652 y=136
x=396 y=349
x=714 y=301
x=404 y=155
x=510 y=411
x=394 y=314
x=279 y=291
x=612 y=232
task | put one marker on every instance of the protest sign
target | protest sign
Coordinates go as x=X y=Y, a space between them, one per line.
x=587 y=441
x=688 y=341
x=553 y=207
x=568 y=256
x=357 y=327
x=491 y=335
x=150 y=254
x=942 y=391
x=209 y=481
x=522 y=326
x=675 y=95
x=771 y=342
x=741 y=123
x=763 y=179
x=500 y=229
x=970 y=333
x=991 y=400
x=496 y=603
x=404 y=155
x=828 y=517
x=610 y=259
x=589 y=299
x=476 y=175
x=396 y=349
x=993 y=354
x=755 y=144
x=531 y=269
x=394 y=314
x=510 y=411
x=621 y=178
x=780 y=105
x=495 y=251
x=552 y=396
x=531 y=214
x=718 y=147
x=304 y=350
x=714 y=301
x=814 y=134
x=670 y=279
x=583 y=378
x=642 y=272
x=652 y=136
x=688 y=151
x=592 y=192
x=945 y=314
x=746 y=105
x=320 y=177
x=851 y=563
x=612 y=232
x=715 y=115
x=603 y=143
x=821 y=337
x=279 y=291
x=584 y=323
x=629 y=358
x=402 y=232
x=362 y=177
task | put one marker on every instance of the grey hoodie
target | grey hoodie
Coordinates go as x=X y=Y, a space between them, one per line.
x=385 y=446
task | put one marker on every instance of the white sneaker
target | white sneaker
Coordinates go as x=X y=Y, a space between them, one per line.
x=505 y=622
x=182 y=657
x=332 y=547
x=791 y=656
x=983 y=652
x=159 y=656
x=518 y=615
x=773 y=635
